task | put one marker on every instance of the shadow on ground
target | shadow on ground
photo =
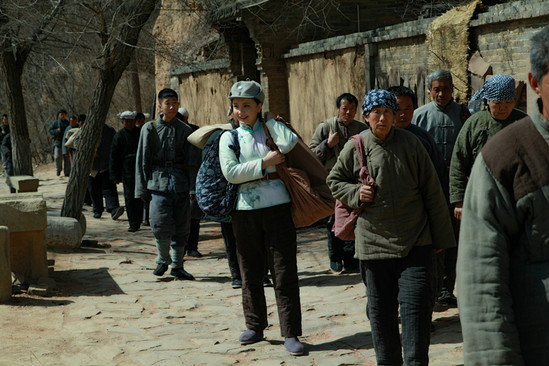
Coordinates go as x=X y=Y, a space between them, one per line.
x=86 y=282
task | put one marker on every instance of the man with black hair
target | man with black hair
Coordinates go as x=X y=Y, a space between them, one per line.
x=164 y=175
x=57 y=130
x=327 y=142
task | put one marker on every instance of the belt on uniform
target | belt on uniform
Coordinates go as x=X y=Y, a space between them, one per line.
x=172 y=165
x=269 y=176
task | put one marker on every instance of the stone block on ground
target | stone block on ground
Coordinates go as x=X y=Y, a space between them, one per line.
x=23 y=183
x=25 y=216
x=64 y=233
x=5 y=268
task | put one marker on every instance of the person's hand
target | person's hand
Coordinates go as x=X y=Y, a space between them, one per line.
x=272 y=158
x=458 y=208
x=333 y=139
x=192 y=197
x=366 y=193
x=59 y=130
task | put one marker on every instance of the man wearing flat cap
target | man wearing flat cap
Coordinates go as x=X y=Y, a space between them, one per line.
x=122 y=166
x=57 y=130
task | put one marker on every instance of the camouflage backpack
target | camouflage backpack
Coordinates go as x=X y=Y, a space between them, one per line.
x=216 y=197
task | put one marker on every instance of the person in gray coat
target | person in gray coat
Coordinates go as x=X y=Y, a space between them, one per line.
x=503 y=259
x=164 y=174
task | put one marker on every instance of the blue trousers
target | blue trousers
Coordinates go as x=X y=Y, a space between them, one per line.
x=406 y=282
x=170 y=224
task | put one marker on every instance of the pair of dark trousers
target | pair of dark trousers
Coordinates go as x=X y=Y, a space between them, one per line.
x=134 y=206
x=446 y=263
x=339 y=250
x=405 y=282
x=102 y=186
x=62 y=161
x=264 y=236
x=230 y=248
x=196 y=216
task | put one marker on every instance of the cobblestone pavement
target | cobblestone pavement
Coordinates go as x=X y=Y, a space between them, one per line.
x=109 y=309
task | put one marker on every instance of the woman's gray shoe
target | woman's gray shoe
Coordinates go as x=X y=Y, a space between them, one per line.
x=250 y=336
x=294 y=346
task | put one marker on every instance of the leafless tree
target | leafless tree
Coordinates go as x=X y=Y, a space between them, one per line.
x=23 y=25
x=117 y=27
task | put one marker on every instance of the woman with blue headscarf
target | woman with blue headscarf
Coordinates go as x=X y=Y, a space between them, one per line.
x=404 y=221
x=498 y=95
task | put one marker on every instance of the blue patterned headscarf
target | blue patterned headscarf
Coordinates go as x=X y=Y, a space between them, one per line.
x=498 y=87
x=379 y=98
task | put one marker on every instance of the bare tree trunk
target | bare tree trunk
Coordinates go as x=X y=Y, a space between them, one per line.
x=136 y=87
x=12 y=68
x=117 y=54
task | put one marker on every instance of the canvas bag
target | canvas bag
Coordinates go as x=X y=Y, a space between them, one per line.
x=345 y=217
x=216 y=197
x=305 y=178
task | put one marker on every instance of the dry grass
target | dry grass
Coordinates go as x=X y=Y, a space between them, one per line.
x=448 y=44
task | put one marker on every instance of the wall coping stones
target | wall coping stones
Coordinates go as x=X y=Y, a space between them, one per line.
x=521 y=9
x=205 y=66
x=516 y=10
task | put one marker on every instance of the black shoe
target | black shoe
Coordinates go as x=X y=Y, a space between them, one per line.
x=97 y=215
x=160 y=269
x=117 y=212
x=181 y=274
x=336 y=266
x=194 y=253
x=133 y=229
x=447 y=299
x=351 y=265
x=236 y=284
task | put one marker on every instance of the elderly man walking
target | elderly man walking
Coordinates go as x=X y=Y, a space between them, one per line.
x=122 y=166
x=443 y=119
x=503 y=262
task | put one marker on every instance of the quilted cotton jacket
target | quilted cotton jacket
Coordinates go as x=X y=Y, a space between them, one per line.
x=503 y=259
